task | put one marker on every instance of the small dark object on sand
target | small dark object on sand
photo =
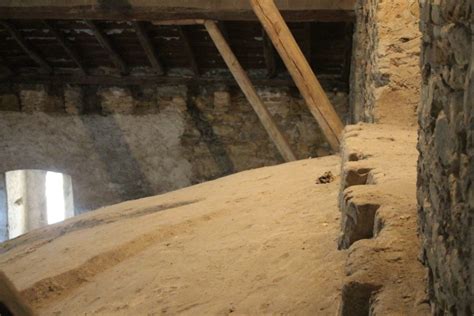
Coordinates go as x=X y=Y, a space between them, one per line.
x=327 y=177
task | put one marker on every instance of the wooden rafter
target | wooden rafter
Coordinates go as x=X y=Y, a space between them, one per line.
x=269 y=55
x=183 y=33
x=107 y=45
x=66 y=46
x=148 y=47
x=299 y=68
x=30 y=10
x=15 y=34
x=248 y=89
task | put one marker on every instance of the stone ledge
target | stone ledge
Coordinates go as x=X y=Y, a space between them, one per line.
x=378 y=224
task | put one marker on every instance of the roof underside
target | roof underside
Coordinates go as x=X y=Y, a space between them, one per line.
x=33 y=38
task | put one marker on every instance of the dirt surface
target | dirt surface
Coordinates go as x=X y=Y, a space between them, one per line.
x=262 y=241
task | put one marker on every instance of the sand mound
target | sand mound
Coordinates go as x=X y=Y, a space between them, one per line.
x=262 y=241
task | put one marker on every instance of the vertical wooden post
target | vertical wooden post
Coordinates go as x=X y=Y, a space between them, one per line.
x=248 y=89
x=299 y=68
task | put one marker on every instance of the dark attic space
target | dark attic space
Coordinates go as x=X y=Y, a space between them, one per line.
x=238 y=157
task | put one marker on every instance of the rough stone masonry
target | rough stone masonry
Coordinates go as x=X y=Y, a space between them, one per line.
x=122 y=143
x=446 y=145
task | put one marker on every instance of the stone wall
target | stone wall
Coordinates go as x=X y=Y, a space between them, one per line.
x=446 y=145
x=386 y=75
x=122 y=143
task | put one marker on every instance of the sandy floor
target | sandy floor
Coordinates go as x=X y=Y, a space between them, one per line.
x=262 y=241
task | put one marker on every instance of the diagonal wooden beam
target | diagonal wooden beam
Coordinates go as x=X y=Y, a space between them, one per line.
x=66 y=46
x=107 y=45
x=15 y=34
x=269 y=55
x=189 y=49
x=248 y=89
x=147 y=46
x=299 y=68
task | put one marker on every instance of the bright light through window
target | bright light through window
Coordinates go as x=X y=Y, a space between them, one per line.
x=55 y=197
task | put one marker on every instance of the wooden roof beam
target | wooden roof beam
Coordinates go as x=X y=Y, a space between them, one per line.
x=299 y=68
x=189 y=49
x=248 y=89
x=110 y=80
x=27 y=48
x=148 y=47
x=181 y=22
x=66 y=46
x=107 y=45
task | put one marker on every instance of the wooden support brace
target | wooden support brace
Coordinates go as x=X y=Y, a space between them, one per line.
x=107 y=45
x=147 y=46
x=189 y=49
x=66 y=46
x=26 y=46
x=248 y=89
x=299 y=68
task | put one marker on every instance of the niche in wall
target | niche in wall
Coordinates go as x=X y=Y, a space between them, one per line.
x=37 y=198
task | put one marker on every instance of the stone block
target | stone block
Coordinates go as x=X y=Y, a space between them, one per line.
x=116 y=101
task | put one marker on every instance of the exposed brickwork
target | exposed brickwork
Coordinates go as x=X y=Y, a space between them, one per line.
x=446 y=145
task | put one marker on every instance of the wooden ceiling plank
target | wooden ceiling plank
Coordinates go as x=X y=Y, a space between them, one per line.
x=107 y=45
x=189 y=49
x=148 y=47
x=299 y=68
x=248 y=89
x=27 y=48
x=68 y=48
